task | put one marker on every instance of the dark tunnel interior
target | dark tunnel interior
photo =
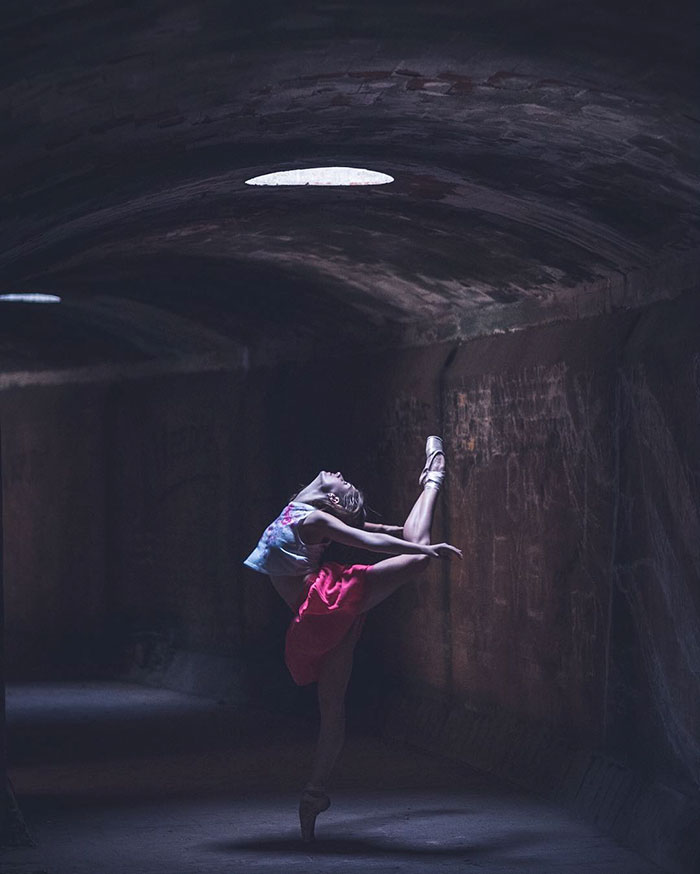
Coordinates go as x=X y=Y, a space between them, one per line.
x=527 y=286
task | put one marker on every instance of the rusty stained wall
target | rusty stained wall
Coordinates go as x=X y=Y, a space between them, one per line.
x=575 y=493
x=521 y=623
x=532 y=505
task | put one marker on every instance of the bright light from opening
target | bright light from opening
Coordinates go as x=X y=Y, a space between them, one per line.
x=323 y=176
x=31 y=298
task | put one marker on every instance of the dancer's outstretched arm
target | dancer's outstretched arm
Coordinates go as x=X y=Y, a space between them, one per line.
x=320 y=526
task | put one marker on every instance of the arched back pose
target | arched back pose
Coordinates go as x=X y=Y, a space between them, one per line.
x=330 y=600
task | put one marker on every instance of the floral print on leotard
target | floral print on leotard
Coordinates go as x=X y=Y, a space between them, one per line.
x=280 y=550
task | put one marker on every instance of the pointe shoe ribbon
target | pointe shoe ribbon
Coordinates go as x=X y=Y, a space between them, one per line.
x=428 y=477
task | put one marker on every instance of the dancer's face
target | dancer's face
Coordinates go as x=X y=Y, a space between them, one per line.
x=333 y=483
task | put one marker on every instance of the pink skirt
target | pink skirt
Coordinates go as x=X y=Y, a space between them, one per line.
x=334 y=599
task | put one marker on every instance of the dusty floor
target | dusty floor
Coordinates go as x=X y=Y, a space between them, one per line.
x=115 y=778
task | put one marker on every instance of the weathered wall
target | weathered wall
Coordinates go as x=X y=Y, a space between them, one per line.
x=171 y=486
x=521 y=622
x=54 y=525
x=654 y=701
x=120 y=519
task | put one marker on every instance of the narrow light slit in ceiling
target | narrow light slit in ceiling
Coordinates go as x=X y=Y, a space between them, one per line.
x=339 y=176
x=30 y=297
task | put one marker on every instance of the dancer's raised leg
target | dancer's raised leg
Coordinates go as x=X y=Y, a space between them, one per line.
x=386 y=576
x=417 y=526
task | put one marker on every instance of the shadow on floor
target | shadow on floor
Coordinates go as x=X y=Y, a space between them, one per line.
x=377 y=847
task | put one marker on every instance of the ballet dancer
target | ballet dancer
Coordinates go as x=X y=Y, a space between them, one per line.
x=330 y=600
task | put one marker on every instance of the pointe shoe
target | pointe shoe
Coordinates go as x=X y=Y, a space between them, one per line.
x=313 y=802
x=432 y=478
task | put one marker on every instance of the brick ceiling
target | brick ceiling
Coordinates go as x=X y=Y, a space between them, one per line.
x=545 y=157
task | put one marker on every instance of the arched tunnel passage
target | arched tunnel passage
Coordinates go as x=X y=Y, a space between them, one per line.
x=527 y=287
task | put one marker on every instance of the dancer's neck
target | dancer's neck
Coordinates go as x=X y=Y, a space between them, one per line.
x=309 y=494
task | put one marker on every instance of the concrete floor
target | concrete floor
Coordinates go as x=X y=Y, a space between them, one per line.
x=115 y=778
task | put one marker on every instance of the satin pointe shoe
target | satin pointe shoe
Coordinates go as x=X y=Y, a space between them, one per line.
x=432 y=478
x=313 y=802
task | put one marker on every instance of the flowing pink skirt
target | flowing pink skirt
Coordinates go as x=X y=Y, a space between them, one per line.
x=334 y=599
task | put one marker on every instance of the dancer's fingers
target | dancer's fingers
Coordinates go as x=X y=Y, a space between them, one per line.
x=453 y=550
x=445 y=550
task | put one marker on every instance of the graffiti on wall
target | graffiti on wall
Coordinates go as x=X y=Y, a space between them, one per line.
x=548 y=429
x=517 y=575
x=537 y=455
x=537 y=419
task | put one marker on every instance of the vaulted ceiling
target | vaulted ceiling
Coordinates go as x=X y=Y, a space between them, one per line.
x=545 y=157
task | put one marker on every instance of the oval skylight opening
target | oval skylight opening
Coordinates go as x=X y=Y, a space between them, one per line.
x=323 y=176
x=31 y=297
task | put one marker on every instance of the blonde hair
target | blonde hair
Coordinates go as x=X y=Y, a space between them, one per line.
x=350 y=507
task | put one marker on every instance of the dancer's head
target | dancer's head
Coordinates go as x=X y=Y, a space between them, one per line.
x=335 y=495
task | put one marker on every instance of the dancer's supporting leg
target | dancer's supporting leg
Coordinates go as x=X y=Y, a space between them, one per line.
x=332 y=685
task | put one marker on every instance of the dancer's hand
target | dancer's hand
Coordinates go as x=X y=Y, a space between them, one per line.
x=443 y=550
